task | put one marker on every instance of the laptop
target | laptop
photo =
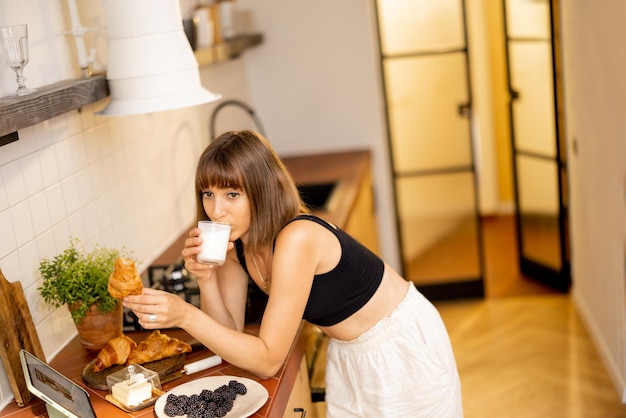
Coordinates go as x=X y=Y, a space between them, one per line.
x=63 y=397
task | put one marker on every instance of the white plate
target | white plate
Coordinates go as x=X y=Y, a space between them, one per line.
x=245 y=405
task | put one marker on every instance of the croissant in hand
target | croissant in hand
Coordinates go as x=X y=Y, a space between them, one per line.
x=156 y=347
x=116 y=351
x=125 y=280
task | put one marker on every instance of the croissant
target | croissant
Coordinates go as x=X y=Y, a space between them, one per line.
x=124 y=280
x=156 y=347
x=114 y=352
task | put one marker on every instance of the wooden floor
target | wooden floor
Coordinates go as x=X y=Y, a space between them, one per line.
x=528 y=356
x=523 y=351
x=502 y=274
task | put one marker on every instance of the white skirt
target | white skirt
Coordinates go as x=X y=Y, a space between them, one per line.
x=401 y=367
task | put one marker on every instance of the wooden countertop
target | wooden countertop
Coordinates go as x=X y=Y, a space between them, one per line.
x=348 y=169
x=73 y=358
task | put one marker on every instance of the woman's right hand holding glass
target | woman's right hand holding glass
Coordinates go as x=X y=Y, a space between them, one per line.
x=193 y=247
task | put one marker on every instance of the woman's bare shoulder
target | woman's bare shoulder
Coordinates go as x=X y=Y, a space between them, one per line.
x=303 y=231
x=309 y=242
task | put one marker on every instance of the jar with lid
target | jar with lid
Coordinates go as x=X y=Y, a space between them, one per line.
x=227 y=13
x=204 y=21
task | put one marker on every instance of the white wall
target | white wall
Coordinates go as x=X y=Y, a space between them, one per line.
x=46 y=43
x=595 y=105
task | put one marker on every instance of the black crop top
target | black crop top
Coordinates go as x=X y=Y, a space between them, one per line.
x=345 y=289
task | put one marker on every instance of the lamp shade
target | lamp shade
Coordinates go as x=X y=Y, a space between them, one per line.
x=151 y=66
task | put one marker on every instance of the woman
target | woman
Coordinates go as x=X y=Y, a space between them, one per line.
x=389 y=353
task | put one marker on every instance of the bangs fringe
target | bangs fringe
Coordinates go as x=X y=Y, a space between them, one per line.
x=219 y=172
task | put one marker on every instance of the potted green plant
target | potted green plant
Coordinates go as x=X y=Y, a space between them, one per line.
x=78 y=277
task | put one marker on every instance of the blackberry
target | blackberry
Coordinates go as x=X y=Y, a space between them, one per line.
x=227 y=405
x=221 y=412
x=197 y=405
x=172 y=410
x=206 y=394
x=228 y=394
x=208 y=404
x=183 y=400
x=238 y=387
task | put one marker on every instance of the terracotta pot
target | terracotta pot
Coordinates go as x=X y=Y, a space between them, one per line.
x=97 y=328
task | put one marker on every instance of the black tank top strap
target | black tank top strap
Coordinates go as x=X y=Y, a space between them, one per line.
x=240 y=248
x=315 y=219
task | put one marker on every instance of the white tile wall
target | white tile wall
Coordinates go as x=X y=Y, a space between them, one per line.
x=113 y=181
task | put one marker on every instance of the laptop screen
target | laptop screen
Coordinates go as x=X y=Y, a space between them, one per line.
x=56 y=390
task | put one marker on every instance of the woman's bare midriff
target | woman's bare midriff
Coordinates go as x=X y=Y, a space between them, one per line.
x=390 y=293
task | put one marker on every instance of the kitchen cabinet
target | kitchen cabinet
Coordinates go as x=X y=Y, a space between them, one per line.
x=351 y=204
x=361 y=223
x=299 y=404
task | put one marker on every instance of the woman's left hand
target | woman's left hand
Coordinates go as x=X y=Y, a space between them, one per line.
x=156 y=309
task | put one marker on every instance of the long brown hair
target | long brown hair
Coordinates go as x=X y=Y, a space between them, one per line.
x=246 y=160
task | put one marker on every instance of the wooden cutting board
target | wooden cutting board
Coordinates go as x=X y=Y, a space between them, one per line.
x=163 y=367
x=16 y=332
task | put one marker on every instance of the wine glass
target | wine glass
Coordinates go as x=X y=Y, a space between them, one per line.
x=14 y=51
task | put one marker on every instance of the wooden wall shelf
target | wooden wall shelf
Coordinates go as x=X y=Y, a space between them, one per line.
x=50 y=101
x=227 y=50
x=62 y=97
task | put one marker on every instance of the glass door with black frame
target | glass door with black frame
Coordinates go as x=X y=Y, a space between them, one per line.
x=539 y=164
x=425 y=66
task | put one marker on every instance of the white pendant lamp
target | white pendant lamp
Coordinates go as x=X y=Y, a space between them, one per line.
x=151 y=66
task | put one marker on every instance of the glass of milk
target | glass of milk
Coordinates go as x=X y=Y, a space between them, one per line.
x=215 y=237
